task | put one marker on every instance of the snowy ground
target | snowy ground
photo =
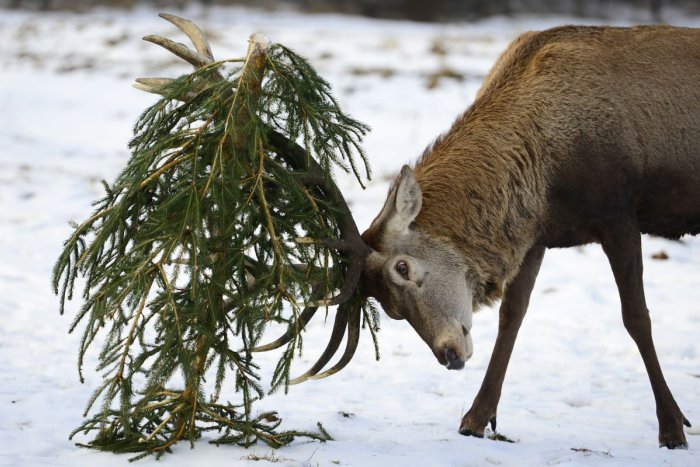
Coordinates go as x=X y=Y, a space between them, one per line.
x=576 y=392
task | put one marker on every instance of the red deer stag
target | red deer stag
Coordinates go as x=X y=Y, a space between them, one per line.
x=578 y=135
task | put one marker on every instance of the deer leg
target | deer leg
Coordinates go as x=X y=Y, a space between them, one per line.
x=622 y=245
x=510 y=316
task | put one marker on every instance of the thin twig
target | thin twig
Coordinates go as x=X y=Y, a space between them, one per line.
x=171 y=299
x=130 y=337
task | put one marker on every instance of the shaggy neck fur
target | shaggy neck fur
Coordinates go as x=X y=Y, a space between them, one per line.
x=484 y=182
x=483 y=191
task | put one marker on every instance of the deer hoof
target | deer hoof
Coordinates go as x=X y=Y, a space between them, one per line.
x=671 y=434
x=474 y=422
x=673 y=444
x=467 y=432
x=463 y=430
x=671 y=440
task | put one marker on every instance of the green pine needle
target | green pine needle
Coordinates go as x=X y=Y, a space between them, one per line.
x=192 y=252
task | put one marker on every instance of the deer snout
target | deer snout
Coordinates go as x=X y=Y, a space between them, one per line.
x=454 y=352
x=453 y=361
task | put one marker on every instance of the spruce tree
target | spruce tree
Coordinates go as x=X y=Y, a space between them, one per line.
x=225 y=218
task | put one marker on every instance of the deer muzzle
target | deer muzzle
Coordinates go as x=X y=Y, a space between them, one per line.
x=454 y=351
x=454 y=362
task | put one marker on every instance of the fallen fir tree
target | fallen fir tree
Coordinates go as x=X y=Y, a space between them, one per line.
x=220 y=224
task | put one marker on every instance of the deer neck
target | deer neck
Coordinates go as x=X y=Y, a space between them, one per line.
x=483 y=192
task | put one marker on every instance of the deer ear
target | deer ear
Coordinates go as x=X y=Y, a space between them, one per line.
x=401 y=207
x=409 y=199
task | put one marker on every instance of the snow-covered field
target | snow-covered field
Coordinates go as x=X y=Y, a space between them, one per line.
x=576 y=392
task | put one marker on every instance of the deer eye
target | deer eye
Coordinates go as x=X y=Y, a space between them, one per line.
x=402 y=268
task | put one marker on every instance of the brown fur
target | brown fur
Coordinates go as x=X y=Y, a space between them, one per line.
x=570 y=125
x=578 y=135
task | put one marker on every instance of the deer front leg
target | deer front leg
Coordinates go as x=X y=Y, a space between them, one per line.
x=622 y=245
x=510 y=316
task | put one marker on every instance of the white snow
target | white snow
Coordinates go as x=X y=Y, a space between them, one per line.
x=576 y=392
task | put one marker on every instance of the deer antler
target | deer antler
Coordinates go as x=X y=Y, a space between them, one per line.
x=310 y=174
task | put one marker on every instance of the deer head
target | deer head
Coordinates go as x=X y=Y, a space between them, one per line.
x=417 y=277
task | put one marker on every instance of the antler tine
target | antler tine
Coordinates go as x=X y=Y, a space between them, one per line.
x=153 y=85
x=351 y=347
x=352 y=278
x=352 y=242
x=201 y=58
x=304 y=317
x=339 y=325
x=160 y=86
x=191 y=30
x=197 y=60
x=293 y=330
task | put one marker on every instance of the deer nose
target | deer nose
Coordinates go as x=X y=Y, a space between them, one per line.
x=453 y=361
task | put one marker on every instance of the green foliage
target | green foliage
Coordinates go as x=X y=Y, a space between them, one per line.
x=208 y=235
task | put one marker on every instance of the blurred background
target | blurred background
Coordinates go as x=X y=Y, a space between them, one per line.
x=416 y=10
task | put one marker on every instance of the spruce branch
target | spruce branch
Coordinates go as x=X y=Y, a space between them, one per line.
x=226 y=218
